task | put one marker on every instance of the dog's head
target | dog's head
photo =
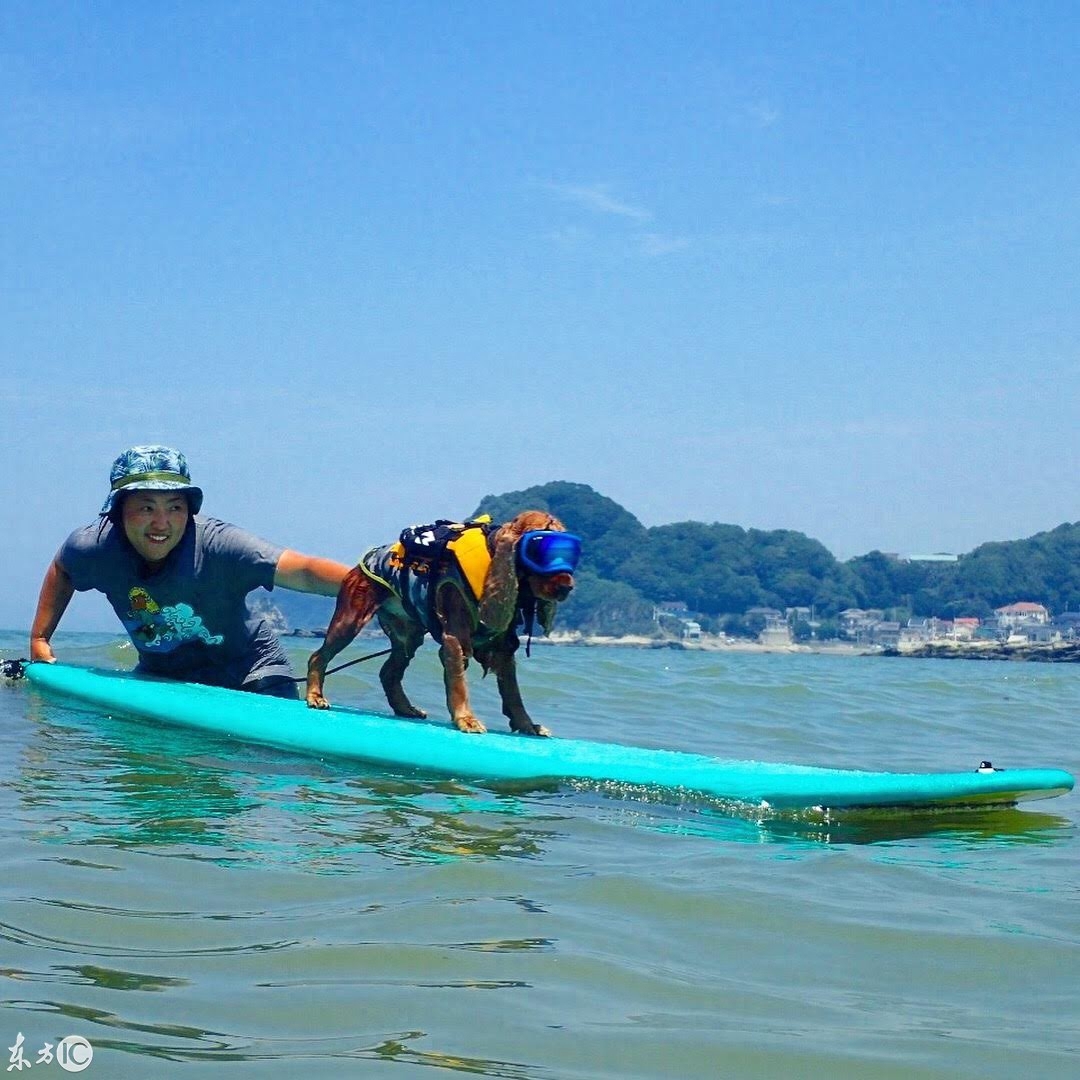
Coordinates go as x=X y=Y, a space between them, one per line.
x=529 y=556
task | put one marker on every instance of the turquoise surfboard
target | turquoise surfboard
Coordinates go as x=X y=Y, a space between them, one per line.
x=439 y=749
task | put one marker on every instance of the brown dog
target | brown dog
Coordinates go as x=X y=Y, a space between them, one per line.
x=470 y=594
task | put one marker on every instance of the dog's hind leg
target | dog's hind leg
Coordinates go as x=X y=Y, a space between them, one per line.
x=405 y=638
x=357 y=601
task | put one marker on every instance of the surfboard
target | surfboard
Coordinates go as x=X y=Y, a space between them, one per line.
x=438 y=749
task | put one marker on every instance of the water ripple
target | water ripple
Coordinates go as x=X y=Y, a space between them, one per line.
x=188 y=903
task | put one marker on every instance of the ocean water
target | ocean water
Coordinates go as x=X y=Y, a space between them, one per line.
x=199 y=908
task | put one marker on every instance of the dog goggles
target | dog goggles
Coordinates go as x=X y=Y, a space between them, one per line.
x=543 y=551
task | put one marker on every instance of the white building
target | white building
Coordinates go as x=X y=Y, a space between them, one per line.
x=1022 y=612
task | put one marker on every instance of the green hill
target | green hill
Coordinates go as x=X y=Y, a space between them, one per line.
x=720 y=570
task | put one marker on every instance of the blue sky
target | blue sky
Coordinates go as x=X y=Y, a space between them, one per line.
x=789 y=265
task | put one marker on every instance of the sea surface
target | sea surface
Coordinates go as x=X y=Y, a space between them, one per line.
x=196 y=907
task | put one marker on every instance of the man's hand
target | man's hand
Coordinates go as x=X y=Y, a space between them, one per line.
x=56 y=593
x=41 y=651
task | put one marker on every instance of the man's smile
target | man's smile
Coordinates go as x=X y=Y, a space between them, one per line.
x=154 y=523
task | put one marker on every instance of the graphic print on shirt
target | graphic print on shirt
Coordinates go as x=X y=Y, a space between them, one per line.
x=162 y=629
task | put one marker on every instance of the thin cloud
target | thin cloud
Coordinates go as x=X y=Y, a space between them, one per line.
x=598 y=198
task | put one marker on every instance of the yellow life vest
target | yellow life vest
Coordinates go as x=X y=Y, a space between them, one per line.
x=471 y=553
x=411 y=560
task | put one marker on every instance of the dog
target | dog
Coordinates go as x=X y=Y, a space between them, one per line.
x=468 y=585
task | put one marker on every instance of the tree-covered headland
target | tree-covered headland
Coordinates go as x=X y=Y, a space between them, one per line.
x=722 y=571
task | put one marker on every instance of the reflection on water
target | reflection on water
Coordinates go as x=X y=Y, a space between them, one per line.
x=217 y=1048
x=734 y=822
x=208 y=1045
x=112 y=781
x=1002 y=825
x=399 y=1051
x=122 y=783
x=92 y=975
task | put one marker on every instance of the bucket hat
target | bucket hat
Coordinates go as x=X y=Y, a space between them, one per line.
x=152 y=468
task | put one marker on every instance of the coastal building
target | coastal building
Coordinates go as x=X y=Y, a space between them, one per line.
x=776 y=630
x=770 y=615
x=1022 y=612
x=857 y=624
x=923 y=630
x=886 y=633
x=678 y=608
x=1024 y=621
x=776 y=633
x=675 y=617
x=1068 y=622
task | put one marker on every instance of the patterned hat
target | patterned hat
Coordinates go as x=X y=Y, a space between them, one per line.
x=152 y=468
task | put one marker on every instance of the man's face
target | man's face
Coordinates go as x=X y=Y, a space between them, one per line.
x=154 y=522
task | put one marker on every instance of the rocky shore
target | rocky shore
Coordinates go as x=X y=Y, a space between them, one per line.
x=1054 y=652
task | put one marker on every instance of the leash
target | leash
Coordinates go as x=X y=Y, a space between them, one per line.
x=342 y=667
x=16 y=669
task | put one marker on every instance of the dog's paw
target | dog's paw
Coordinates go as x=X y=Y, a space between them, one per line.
x=469 y=724
x=410 y=712
x=531 y=729
x=317 y=701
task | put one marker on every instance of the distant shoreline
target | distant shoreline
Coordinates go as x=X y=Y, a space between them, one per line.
x=1057 y=652
x=706 y=643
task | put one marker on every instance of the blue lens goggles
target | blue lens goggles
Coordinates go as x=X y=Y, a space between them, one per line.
x=544 y=551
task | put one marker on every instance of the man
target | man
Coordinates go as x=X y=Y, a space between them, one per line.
x=179 y=581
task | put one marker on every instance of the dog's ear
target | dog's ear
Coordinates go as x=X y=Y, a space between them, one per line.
x=499 y=602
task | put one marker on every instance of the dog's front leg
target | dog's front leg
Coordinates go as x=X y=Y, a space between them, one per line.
x=505 y=668
x=454 y=662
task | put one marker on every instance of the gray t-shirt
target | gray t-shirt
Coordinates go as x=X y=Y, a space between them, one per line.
x=189 y=620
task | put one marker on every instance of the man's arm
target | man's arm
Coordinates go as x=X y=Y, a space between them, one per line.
x=56 y=593
x=309 y=573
